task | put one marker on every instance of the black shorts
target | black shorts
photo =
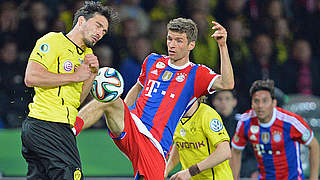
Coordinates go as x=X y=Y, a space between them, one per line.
x=50 y=150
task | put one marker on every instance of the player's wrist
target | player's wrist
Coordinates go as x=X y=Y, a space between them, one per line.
x=222 y=45
x=194 y=170
x=78 y=124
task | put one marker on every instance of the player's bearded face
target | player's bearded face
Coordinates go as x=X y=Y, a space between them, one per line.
x=263 y=105
x=94 y=29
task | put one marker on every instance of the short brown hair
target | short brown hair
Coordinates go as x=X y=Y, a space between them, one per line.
x=91 y=8
x=267 y=85
x=183 y=25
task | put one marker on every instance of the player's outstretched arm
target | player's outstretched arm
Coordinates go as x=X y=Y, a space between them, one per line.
x=173 y=160
x=37 y=75
x=226 y=81
x=314 y=159
x=235 y=162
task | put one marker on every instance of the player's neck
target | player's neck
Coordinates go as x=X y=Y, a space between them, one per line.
x=74 y=36
x=180 y=62
x=266 y=119
x=193 y=109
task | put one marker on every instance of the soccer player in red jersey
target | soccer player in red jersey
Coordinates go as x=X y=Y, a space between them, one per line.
x=142 y=125
x=276 y=135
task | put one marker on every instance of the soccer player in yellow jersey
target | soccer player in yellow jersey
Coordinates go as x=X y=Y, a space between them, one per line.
x=61 y=69
x=201 y=144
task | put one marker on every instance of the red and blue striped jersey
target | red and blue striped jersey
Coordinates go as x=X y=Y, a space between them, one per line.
x=168 y=92
x=276 y=144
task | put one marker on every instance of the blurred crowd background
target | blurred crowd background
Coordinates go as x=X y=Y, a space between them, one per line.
x=275 y=39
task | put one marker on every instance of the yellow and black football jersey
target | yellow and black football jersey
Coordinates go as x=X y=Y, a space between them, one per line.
x=58 y=54
x=196 y=138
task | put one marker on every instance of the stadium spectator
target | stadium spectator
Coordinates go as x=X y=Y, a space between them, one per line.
x=302 y=69
x=309 y=29
x=17 y=95
x=9 y=19
x=36 y=24
x=239 y=47
x=130 y=67
x=130 y=9
x=164 y=10
x=206 y=51
x=261 y=66
x=282 y=40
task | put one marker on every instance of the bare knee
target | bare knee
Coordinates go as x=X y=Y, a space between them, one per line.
x=111 y=107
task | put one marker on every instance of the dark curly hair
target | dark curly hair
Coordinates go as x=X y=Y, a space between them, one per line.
x=259 y=85
x=91 y=8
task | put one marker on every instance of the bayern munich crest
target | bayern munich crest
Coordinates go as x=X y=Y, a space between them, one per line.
x=181 y=78
x=276 y=136
x=68 y=66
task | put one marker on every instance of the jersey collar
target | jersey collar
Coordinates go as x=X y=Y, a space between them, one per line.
x=79 y=50
x=185 y=119
x=178 y=67
x=268 y=124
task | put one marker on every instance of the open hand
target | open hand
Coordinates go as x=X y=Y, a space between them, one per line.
x=220 y=33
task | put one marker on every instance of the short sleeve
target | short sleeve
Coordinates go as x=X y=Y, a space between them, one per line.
x=143 y=73
x=214 y=129
x=239 y=140
x=300 y=131
x=204 y=80
x=43 y=53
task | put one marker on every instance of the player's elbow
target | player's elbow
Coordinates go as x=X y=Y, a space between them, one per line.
x=228 y=155
x=28 y=81
x=228 y=85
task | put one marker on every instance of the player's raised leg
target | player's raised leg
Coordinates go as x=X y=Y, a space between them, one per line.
x=114 y=112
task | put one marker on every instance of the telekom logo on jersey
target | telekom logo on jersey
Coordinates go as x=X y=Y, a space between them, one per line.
x=152 y=85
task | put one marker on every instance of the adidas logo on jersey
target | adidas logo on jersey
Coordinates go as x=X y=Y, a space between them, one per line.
x=155 y=72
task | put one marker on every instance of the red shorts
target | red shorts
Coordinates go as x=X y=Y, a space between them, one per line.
x=146 y=159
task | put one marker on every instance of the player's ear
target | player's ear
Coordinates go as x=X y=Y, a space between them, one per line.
x=191 y=45
x=81 y=20
x=274 y=102
x=234 y=102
